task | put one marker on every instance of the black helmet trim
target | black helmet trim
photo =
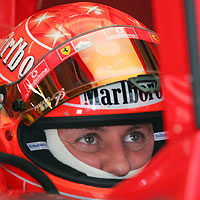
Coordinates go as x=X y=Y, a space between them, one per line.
x=100 y=120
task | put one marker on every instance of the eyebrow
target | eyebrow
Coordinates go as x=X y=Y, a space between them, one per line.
x=135 y=126
x=95 y=128
x=102 y=128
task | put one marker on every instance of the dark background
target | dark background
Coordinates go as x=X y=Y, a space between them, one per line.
x=140 y=9
x=12 y=12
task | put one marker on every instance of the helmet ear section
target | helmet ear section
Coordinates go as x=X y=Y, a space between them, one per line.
x=31 y=139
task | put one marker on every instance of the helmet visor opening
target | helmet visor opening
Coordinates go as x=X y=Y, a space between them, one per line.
x=30 y=139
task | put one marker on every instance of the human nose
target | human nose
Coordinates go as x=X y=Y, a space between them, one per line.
x=116 y=161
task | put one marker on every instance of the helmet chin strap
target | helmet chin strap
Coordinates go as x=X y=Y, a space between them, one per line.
x=61 y=153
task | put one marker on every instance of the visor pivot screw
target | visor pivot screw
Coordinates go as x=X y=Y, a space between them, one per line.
x=8 y=135
x=1 y=98
x=18 y=105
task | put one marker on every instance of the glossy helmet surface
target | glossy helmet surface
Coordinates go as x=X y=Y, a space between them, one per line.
x=75 y=65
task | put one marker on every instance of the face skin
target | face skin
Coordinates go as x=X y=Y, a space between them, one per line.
x=114 y=149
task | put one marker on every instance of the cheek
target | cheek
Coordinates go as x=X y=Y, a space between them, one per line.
x=149 y=147
x=138 y=159
x=92 y=159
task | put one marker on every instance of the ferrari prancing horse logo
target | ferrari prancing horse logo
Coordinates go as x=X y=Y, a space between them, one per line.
x=155 y=37
x=66 y=50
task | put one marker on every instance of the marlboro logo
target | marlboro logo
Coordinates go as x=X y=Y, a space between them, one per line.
x=119 y=96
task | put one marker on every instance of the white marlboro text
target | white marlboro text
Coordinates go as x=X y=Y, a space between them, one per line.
x=13 y=51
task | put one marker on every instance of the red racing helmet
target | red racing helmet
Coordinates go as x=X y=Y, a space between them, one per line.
x=79 y=65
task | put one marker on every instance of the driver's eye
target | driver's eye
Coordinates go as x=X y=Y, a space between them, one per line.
x=88 y=139
x=134 y=137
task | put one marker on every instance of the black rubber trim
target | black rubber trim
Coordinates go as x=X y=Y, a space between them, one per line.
x=99 y=120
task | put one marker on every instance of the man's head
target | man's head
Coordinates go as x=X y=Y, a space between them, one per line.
x=83 y=99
